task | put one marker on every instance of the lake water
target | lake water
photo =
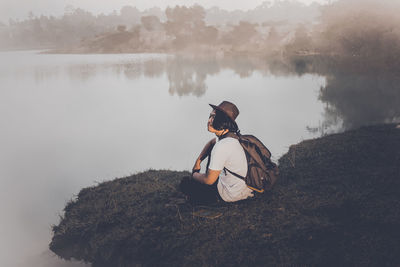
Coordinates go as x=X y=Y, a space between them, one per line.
x=71 y=121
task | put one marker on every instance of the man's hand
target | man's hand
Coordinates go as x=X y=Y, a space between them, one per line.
x=207 y=149
x=204 y=153
x=196 y=166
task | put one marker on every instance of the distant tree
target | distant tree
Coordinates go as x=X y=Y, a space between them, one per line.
x=155 y=11
x=272 y=40
x=302 y=40
x=151 y=23
x=241 y=33
x=184 y=23
x=367 y=30
x=68 y=10
x=130 y=15
x=273 y=35
x=77 y=25
x=188 y=16
x=208 y=35
x=31 y=16
x=121 y=28
x=4 y=36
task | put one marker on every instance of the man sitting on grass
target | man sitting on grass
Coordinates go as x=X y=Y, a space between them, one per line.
x=216 y=183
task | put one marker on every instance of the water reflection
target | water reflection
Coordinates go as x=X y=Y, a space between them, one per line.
x=362 y=99
x=82 y=72
x=153 y=68
x=355 y=93
x=188 y=76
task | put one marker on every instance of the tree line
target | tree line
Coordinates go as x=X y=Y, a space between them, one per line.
x=362 y=31
x=153 y=29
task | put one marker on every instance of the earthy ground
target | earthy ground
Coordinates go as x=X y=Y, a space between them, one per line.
x=337 y=203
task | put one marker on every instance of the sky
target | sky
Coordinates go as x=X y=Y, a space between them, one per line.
x=19 y=9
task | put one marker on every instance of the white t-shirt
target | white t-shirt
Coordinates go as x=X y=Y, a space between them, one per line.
x=229 y=153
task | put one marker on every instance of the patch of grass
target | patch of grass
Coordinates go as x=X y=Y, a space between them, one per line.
x=337 y=203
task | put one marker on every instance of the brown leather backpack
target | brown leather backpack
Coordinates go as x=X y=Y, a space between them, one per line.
x=262 y=173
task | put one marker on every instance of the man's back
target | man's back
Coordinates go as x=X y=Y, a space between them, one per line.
x=228 y=153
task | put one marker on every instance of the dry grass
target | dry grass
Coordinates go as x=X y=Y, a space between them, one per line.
x=338 y=204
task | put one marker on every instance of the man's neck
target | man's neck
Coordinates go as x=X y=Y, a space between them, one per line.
x=221 y=133
x=226 y=133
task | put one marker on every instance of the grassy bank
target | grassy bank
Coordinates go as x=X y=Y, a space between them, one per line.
x=337 y=203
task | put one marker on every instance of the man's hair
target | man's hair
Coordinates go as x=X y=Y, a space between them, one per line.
x=222 y=121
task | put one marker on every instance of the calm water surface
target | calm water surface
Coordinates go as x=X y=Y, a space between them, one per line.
x=70 y=121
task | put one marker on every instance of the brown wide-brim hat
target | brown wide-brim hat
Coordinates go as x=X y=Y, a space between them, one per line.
x=229 y=109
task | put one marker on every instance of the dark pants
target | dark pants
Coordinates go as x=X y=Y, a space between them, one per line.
x=198 y=193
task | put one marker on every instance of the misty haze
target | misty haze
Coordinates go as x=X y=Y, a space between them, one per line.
x=86 y=98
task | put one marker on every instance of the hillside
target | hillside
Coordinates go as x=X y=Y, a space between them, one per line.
x=337 y=203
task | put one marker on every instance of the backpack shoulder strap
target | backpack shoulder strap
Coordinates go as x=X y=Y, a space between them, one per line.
x=245 y=141
x=235 y=174
x=243 y=178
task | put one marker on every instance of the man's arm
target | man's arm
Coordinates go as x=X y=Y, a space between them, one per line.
x=204 y=153
x=206 y=178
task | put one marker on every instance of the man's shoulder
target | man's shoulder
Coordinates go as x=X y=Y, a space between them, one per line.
x=227 y=142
